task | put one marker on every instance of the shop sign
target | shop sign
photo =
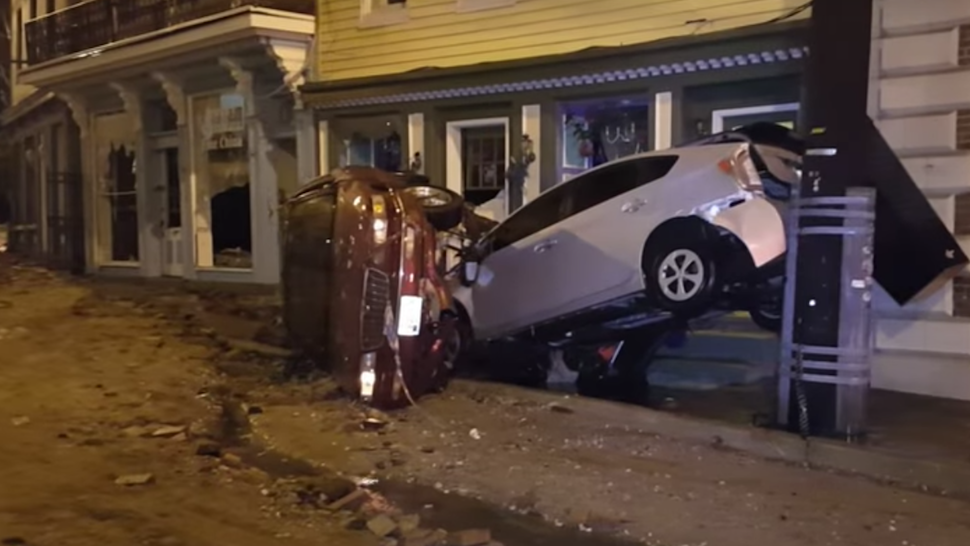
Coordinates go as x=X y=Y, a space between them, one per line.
x=224 y=128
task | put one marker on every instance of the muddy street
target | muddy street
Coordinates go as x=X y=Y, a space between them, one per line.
x=165 y=414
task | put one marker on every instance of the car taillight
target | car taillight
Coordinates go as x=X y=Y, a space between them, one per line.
x=380 y=219
x=741 y=167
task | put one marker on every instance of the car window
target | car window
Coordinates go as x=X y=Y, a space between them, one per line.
x=541 y=213
x=590 y=189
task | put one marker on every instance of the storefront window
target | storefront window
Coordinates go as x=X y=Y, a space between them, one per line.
x=223 y=224
x=594 y=132
x=117 y=204
x=370 y=141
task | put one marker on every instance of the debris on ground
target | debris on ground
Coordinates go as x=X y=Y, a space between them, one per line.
x=208 y=449
x=474 y=434
x=168 y=431
x=352 y=501
x=559 y=408
x=129 y=480
x=20 y=421
x=381 y=525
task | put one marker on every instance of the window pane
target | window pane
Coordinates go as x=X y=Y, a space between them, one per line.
x=590 y=189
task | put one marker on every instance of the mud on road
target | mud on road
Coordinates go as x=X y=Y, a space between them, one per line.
x=179 y=391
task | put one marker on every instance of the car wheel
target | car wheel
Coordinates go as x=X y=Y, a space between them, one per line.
x=681 y=277
x=443 y=208
x=767 y=317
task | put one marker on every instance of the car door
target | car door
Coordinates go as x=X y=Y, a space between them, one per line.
x=512 y=291
x=610 y=213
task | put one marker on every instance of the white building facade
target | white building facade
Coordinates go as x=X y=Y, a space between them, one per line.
x=186 y=127
x=920 y=100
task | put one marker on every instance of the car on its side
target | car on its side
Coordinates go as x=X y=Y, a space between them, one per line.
x=676 y=234
x=364 y=294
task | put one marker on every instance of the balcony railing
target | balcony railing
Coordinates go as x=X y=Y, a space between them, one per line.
x=97 y=23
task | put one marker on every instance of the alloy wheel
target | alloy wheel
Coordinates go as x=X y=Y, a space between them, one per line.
x=681 y=275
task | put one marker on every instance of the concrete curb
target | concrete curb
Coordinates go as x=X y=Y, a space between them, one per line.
x=950 y=478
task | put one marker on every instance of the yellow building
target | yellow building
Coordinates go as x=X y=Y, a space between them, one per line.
x=451 y=86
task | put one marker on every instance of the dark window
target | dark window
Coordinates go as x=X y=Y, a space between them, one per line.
x=545 y=211
x=174 y=188
x=51 y=7
x=398 y=2
x=592 y=188
x=483 y=162
x=32 y=14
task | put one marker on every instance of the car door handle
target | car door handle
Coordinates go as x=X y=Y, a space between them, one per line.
x=543 y=246
x=633 y=206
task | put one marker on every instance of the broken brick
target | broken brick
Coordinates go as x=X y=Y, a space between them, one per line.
x=381 y=525
x=352 y=501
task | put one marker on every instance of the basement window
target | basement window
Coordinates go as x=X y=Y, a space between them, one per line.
x=382 y=13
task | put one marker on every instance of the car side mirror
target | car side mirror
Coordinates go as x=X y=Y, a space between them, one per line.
x=469 y=273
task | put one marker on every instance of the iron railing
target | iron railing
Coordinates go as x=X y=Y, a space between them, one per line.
x=97 y=23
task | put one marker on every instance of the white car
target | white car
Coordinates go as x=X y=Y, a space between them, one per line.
x=682 y=233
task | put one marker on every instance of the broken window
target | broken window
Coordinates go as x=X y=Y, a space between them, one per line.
x=117 y=203
x=223 y=225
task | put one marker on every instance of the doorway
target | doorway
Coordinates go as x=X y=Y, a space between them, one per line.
x=477 y=152
x=169 y=189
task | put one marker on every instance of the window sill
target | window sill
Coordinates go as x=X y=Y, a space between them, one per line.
x=384 y=17
x=470 y=6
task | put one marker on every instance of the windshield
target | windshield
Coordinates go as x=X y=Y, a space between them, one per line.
x=308 y=259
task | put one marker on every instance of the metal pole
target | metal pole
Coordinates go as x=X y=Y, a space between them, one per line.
x=835 y=119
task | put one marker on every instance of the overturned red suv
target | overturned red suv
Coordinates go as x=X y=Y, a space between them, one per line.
x=363 y=281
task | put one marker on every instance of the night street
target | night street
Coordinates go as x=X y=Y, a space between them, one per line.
x=106 y=382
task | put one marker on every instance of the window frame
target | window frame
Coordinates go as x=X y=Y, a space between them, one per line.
x=379 y=13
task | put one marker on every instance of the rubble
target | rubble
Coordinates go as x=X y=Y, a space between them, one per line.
x=168 y=431
x=20 y=421
x=352 y=501
x=382 y=525
x=208 y=449
x=129 y=480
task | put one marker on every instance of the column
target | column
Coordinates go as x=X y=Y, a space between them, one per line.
x=324 y=164
x=532 y=127
x=663 y=120
x=149 y=236
x=416 y=156
x=82 y=117
x=307 y=162
x=263 y=186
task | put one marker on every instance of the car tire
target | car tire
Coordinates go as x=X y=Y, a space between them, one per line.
x=443 y=208
x=767 y=317
x=681 y=276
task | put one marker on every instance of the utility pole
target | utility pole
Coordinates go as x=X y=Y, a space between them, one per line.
x=835 y=122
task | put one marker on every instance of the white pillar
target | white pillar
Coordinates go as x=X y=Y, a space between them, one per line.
x=307 y=162
x=323 y=147
x=263 y=186
x=532 y=126
x=663 y=120
x=82 y=117
x=416 y=142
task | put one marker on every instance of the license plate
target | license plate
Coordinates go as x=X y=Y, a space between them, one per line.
x=409 y=316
